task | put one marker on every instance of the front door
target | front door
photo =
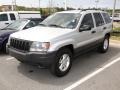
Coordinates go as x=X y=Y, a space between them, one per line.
x=85 y=37
x=4 y=20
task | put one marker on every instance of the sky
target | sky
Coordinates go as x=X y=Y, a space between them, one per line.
x=60 y=3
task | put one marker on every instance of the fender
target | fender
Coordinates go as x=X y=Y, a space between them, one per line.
x=58 y=45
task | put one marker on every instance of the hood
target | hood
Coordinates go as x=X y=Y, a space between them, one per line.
x=4 y=33
x=41 y=34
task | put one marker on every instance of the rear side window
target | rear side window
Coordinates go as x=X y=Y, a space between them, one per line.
x=87 y=20
x=98 y=19
x=3 y=17
x=106 y=17
x=12 y=17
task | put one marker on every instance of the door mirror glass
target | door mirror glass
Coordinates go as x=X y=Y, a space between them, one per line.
x=85 y=28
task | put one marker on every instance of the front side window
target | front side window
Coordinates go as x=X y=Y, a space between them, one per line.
x=3 y=17
x=87 y=20
x=62 y=20
x=12 y=16
x=106 y=17
x=98 y=19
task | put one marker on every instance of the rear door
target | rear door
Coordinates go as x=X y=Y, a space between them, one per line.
x=99 y=25
x=12 y=17
x=108 y=25
x=4 y=20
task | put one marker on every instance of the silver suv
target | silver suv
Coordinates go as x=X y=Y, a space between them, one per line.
x=60 y=37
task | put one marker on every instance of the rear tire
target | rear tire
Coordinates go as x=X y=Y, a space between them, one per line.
x=103 y=48
x=62 y=63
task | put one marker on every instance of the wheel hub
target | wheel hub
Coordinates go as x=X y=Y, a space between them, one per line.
x=64 y=62
x=105 y=44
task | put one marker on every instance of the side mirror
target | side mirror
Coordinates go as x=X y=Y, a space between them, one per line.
x=85 y=28
x=26 y=27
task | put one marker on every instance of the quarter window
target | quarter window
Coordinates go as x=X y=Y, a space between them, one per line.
x=87 y=20
x=3 y=17
x=98 y=19
x=106 y=17
x=12 y=16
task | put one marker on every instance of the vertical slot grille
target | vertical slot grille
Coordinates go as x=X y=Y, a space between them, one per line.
x=20 y=44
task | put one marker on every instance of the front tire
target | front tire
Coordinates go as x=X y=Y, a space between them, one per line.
x=62 y=63
x=103 y=48
x=4 y=46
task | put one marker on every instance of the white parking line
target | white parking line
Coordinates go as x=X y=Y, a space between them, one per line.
x=79 y=82
x=10 y=58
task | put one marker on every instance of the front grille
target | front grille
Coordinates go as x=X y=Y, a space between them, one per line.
x=20 y=44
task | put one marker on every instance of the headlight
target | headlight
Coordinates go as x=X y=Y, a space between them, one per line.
x=40 y=46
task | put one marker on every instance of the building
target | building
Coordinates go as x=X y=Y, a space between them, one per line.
x=6 y=8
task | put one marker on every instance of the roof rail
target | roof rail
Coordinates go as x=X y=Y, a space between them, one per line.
x=91 y=9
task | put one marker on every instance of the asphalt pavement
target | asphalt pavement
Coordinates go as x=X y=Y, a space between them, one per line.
x=17 y=76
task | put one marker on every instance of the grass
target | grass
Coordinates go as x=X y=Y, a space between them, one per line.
x=116 y=29
x=115 y=38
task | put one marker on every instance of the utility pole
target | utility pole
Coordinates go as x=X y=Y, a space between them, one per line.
x=97 y=1
x=65 y=4
x=13 y=5
x=49 y=6
x=113 y=10
x=39 y=4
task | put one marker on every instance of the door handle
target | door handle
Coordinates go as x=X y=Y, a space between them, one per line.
x=93 y=32
x=104 y=28
x=6 y=23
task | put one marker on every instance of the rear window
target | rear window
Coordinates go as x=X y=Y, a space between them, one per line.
x=98 y=19
x=106 y=17
x=3 y=17
x=12 y=17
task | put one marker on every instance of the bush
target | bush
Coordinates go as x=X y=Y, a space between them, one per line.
x=116 y=29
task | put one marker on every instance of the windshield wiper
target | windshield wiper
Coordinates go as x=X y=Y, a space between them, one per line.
x=42 y=24
x=7 y=29
x=54 y=25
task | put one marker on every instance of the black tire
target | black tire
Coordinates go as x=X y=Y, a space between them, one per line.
x=55 y=67
x=4 y=46
x=102 y=48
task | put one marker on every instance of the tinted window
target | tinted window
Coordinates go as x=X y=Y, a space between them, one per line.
x=30 y=24
x=98 y=19
x=106 y=17
x=3 y=17
x=37 y=21
x=87 y=20
x=12 y=16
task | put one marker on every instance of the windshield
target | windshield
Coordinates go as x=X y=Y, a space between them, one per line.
x=62 y=20
x=17 y=25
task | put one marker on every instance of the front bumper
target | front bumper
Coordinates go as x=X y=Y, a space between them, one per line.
x=33 y=58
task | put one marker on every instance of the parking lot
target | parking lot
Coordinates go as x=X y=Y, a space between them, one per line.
x=17 y=76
